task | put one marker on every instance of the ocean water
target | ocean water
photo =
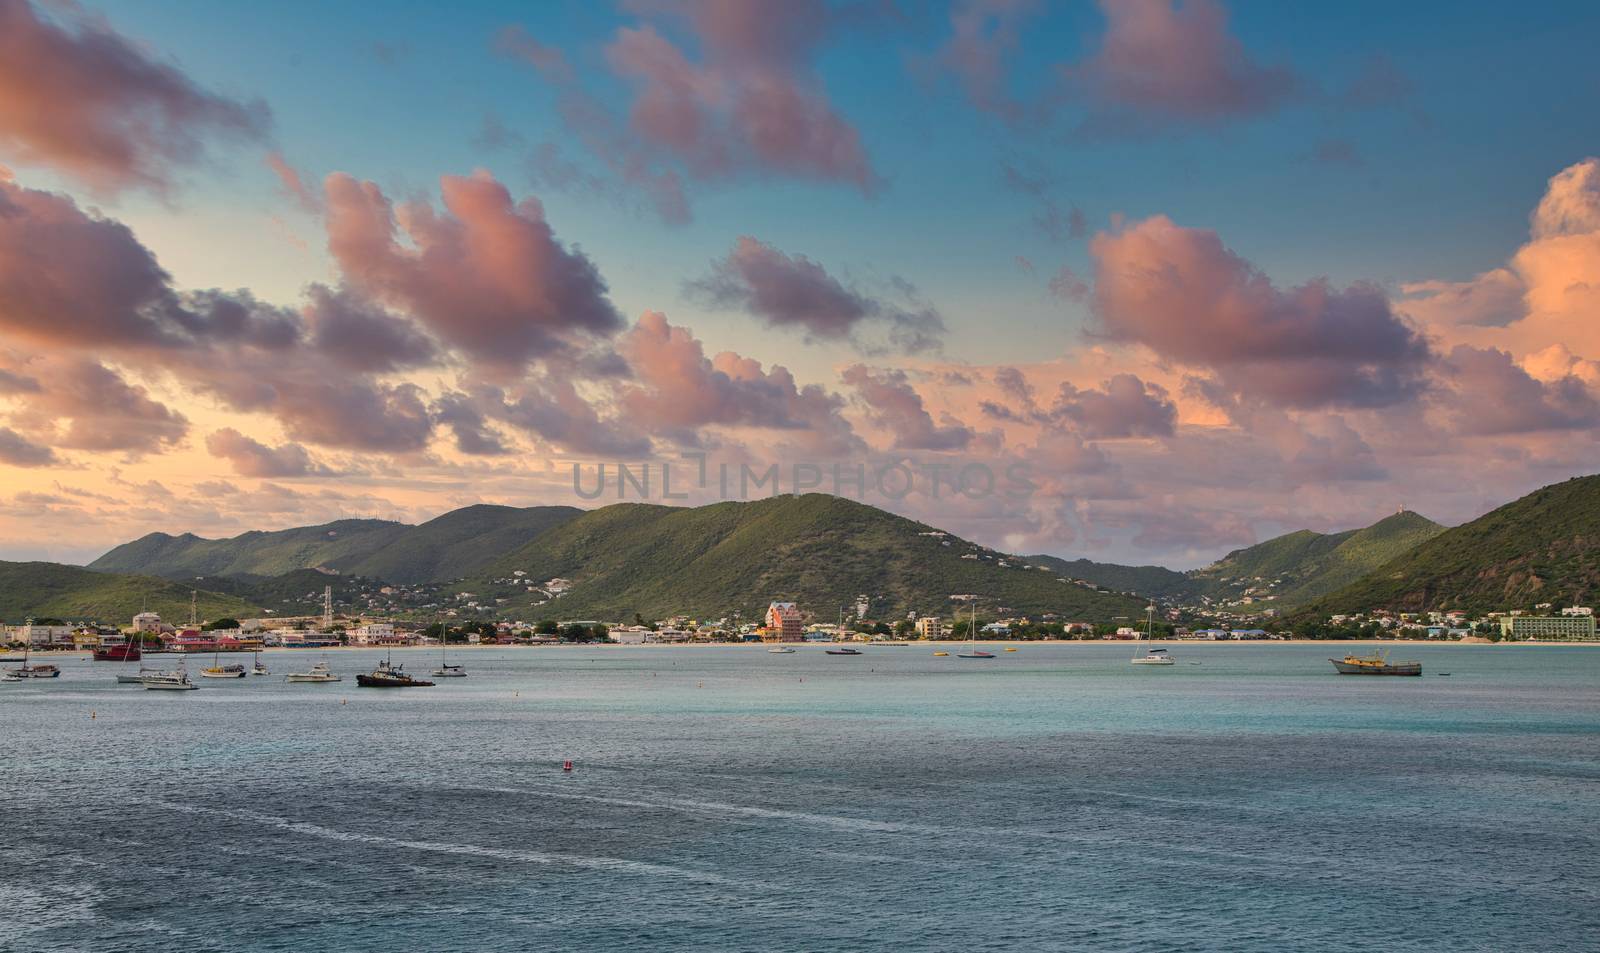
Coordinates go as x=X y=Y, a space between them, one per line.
x=724 y=798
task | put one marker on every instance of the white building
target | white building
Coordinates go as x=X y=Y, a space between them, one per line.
x=147 y=622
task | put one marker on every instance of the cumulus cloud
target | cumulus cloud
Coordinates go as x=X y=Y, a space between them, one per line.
x=679 y=390
x=486 y=275
x=77 y=96
x=896 y=407
x=359 y=335
x=249 y=457
x=1493 y=395
x=793 y=291
x=1164 y=61
x=1183 y=294
x=81 y=404
x=1123 y=406
x=472 y=433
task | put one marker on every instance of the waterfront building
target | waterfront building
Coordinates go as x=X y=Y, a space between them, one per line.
x=785 y=622
x=147 y=622
x=930 y=627
x=1549 y=628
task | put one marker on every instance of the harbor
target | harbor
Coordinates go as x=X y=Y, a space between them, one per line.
x=808 y=791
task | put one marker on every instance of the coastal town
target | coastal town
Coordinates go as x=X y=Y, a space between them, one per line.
x=783 y=622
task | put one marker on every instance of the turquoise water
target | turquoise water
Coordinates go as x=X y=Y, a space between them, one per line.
x=728 y=799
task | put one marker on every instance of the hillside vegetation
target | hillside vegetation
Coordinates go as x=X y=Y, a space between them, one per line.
x=75 y=594
x=452 y=546
x=1155 y=582
x=817 y=550
x=1299 y=567
x=1544 y=547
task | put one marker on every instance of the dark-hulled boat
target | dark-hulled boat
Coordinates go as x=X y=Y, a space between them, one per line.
x=843 y=651
x=1375 y=664
x=387 y=675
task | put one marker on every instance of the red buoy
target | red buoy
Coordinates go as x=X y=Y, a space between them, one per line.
x=566 y=765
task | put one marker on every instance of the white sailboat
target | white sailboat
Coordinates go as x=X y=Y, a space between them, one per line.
x=445 y=669
x=972 y=637
x=1151 y=656
x=259 y=668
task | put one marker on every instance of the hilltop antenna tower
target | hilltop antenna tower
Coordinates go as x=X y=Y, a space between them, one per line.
x=327 y=608
x=194 y=598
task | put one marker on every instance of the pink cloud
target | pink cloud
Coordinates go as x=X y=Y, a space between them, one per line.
x=896 y=407
x=1183 y=294
x=678 y=390
x=1163 y=60
x=81 y=404
x=293 y=185
x=487 y=275
x=1494 y=396
x=75 y=95
x=984 y=37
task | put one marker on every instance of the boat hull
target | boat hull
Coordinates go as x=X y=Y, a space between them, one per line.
x=118 y=653
x=387 y=681
x=1153 y=661
x=311 y=679
x=1388 y=668
x=171 y=686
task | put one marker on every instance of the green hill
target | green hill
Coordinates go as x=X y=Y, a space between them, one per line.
x=1298 y=567
x=451 y=546
x=1156 y=582
x=1544 y=547
x=817 y=550
x=75 y=594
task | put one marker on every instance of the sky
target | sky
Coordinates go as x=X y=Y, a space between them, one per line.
x=1135 y=280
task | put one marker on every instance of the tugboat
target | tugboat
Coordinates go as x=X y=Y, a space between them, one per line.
x=388 y=675
x=1375 y=664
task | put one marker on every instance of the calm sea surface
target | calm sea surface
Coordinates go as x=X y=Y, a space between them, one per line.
x=1056 y=798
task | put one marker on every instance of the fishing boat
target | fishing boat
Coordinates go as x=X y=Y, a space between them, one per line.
x=1151 y=656
x=972 y=637
x=176 y=680
x=845 y=650
x=389 y=675
x=31 y=671
x=1375 y=664
x=445 y=669
x=318 y=673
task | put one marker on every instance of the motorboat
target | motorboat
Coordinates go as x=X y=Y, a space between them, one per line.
x=844 y=651
x=781 y=650
x=317 y=674
x=174 y=681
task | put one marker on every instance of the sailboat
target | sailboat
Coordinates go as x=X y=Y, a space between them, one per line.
x=972 y=638
x=31 y=671
x=217 y=669
x=445 y=669
x=1151 y=656
x=259 y=668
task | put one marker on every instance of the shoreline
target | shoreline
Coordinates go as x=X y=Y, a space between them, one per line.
x=939 y=644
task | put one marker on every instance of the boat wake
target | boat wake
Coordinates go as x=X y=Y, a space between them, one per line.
x=610 y=864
